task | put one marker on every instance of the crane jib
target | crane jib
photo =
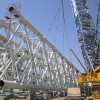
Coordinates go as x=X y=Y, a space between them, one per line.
x=87 y=35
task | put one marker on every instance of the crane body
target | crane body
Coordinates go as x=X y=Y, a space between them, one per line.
x=88 y=38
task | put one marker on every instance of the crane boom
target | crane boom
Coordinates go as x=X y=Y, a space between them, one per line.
x=98 y=36
x=86 y=33
x=89 y=38
x=98 y=23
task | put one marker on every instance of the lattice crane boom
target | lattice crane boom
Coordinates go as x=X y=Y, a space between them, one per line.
x=29 y=59
x=86 y=33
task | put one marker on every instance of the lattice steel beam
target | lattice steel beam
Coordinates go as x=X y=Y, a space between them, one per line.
x=30 y=59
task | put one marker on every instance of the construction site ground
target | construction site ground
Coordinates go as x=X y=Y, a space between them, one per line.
x=58 y=98
x=67 y=98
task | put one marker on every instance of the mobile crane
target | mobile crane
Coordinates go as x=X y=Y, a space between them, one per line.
x=89 y=39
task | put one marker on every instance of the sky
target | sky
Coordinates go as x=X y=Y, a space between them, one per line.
x=47 y=17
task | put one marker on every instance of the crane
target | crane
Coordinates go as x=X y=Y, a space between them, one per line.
x=28 y=61
x=89 y=39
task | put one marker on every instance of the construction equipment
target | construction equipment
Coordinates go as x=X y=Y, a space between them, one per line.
x=89 y=39
x=28 y=61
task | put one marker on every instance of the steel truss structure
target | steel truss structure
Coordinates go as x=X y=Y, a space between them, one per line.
x=87 y=35
x=98 y=23
x=28 y=60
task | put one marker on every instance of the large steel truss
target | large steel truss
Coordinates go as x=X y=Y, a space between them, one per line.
x=28 y=60
x=87 y=35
